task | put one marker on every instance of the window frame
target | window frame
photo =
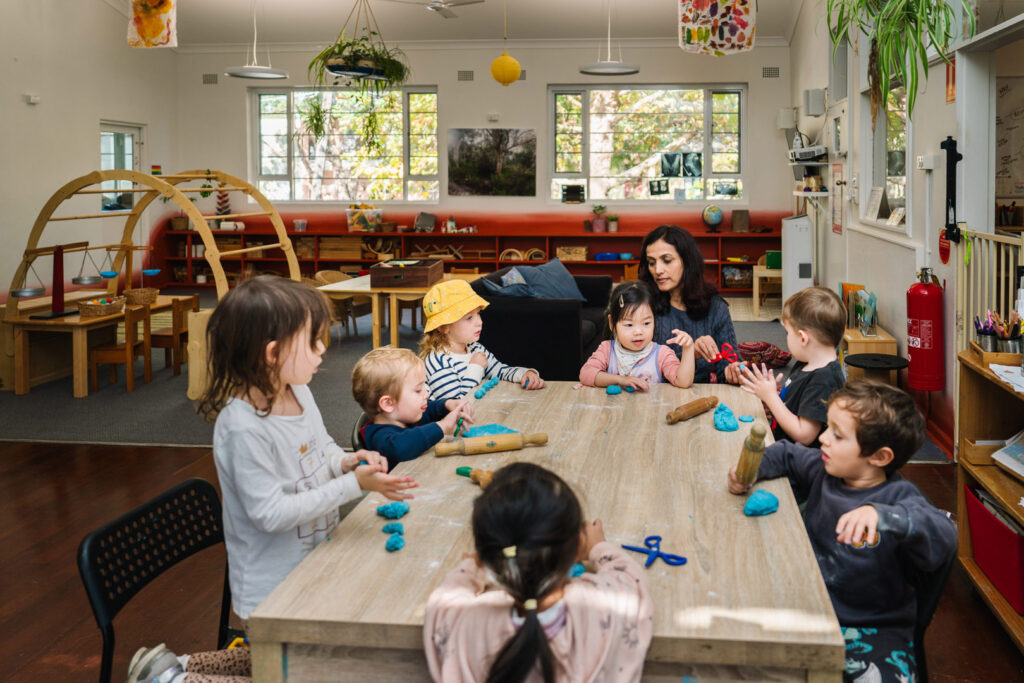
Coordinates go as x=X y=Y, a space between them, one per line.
x=256 y=177
x=708 y=176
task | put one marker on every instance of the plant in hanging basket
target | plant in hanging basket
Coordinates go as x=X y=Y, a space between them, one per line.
x=899 y=33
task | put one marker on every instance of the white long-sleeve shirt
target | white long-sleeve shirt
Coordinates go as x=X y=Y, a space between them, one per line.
x=281 y=480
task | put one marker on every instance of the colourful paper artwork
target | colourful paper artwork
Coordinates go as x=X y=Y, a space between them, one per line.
x=154 y=23
x=716 y=27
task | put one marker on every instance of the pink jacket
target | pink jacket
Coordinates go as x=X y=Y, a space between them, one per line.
x=668 y=364
x=608 y=627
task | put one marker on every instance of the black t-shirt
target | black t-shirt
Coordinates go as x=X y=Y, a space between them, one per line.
x=806 y=395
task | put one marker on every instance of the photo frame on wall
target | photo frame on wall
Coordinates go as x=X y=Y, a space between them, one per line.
x=693 y=166
x=658 y=186
x=671 y=164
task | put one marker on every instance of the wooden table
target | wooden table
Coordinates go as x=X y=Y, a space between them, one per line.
x=749 y=602
x=361 y=286
x=79 y=328
x=763 y=273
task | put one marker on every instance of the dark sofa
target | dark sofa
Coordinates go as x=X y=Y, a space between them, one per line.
x=554 y=336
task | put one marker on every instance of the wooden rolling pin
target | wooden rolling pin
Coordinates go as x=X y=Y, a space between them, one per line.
x=490 y=444
x=692 y=409
x=750 y=456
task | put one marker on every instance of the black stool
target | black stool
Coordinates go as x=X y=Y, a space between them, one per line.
x=877 y=366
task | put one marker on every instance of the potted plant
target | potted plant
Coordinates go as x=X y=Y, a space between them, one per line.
x=899 y=33
x=600 y=223
x=613 y=223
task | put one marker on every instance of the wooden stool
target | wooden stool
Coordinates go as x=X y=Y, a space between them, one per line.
x=877 y=366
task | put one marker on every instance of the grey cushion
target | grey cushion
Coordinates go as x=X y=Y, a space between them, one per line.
x=551 y=281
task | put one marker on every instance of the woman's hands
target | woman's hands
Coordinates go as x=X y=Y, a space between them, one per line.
x=531 y=380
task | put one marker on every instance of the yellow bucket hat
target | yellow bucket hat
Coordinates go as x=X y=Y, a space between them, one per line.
x=448 y=301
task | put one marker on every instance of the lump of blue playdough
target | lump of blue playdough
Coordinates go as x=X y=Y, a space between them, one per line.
x=725 y=421
x=479 y=393
x=394 y=510
x=761 y=502
x=393 y=528
x=577 y=570
x=395 y=542
x=613 y=389
x=489 y=430
x=492 y=383
x=630 y=390
x=746 y=418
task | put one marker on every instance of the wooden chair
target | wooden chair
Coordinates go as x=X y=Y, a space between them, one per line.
x=411 y=302
x=133 y=345
x=174 y=339
x=346 y=308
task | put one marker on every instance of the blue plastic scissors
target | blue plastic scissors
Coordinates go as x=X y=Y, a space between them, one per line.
x=653 y=551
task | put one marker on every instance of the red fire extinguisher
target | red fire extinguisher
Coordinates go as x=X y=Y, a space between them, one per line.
x=927 y=369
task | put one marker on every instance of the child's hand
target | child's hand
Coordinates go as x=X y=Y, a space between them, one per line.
x=467 y=408
x=532 y=380
x=737 y=487
x=595 y=534
x=681 y=338
x=858 y=526
x=372 y=458
x=759 y=381
x=637 y=383
x=392 y=487
x=459 y=408
x=479 y=359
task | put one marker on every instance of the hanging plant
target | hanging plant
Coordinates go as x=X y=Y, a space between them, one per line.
x=899 y=33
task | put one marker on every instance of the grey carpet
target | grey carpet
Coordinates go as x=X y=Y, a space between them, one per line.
x=159 y=413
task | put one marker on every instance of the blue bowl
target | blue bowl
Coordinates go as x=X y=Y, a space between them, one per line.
x=606 y=256
x=108 y=274
x=625 y=256
x=149 y=272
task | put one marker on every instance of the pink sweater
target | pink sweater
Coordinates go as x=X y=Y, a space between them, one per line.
x=668 y=364
x=607 y=631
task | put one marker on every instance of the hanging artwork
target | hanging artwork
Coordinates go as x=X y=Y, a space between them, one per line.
x=716 y=27
x=492 y=162
x=154 y=23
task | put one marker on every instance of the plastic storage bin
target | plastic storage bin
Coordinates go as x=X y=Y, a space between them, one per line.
x=363 y=220
x=998 y=550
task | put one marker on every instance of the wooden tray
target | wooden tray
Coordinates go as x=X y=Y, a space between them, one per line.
x=418 y=273
x=989 y=357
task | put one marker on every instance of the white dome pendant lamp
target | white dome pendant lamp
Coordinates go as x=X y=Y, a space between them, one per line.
x=609 y=66
x=252 y=69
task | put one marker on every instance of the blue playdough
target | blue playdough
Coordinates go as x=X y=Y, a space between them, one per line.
x=761 y=503
x=395 y=542
x=395 y=510
x=489 y=430
x=577 y=570
x=393 y=528
x=630 y=390
x=725 y=421
x=613 y=389
x=746 y=418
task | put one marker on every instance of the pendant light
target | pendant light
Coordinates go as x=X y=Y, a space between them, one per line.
x=609 y=67
x=505 y=69
x=252 y=69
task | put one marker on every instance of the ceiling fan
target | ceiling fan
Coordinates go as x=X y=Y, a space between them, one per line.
x=439 y=6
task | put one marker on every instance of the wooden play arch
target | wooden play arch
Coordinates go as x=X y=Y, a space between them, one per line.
x=175 y=188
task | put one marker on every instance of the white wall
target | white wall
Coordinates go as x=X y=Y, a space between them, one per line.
x=75 y=57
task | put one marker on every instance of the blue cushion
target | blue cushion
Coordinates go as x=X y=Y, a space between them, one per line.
x=551 y=281
x=517 y=289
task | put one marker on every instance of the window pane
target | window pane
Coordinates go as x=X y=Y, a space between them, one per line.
x=275 y=189
x=273 y=104
x=896 y=146
x=424 y=190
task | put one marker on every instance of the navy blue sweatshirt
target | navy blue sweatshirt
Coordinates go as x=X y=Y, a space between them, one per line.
x=866 y=584
x=399 y=444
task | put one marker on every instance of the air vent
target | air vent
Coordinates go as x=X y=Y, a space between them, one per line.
x=769 y=72
x=522 y=75
x=465 y=75
x=209 y=79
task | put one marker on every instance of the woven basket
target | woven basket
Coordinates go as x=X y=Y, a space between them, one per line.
x=92 y=309
x=141 y=296
x=511 y=255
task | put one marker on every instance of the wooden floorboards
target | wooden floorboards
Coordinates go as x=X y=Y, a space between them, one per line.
x=54 y=494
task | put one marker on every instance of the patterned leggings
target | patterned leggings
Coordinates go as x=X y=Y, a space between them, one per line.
x=879 y=655
x=220 y=666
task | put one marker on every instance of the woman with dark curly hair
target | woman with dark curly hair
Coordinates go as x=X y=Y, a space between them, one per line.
x=672 y=265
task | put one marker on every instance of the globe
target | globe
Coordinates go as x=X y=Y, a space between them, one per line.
x=712 y=216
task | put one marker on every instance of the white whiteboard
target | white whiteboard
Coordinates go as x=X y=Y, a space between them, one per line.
x=1010 y=137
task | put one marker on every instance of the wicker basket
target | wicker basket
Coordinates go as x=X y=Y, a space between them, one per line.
x=94 y=309
x=141 y=296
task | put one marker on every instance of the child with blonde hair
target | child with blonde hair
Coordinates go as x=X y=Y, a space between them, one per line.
x=511 y=613
x=455 y=359
x=390 y=385
x=632 y=359
x=282 y=476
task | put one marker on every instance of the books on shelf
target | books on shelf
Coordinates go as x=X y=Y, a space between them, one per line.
x=997 y=510
x=1011 y=456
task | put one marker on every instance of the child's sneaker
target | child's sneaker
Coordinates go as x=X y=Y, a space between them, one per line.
x=154 y=664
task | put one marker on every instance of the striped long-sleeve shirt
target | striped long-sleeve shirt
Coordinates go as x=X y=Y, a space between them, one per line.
x=448 y=376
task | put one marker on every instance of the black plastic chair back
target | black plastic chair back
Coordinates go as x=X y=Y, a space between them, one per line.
x=120 y=558
x=928 y=586
x=357 y=438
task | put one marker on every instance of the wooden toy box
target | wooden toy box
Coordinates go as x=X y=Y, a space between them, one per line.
x=406 y=273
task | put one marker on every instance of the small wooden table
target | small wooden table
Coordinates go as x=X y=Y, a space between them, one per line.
x=749 y=602
x=79 y=328
x=361 y=286
x=854 y=342
x=767 y=274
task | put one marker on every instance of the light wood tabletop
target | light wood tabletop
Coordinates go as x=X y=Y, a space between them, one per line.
x=361 y=286
x=750 y=595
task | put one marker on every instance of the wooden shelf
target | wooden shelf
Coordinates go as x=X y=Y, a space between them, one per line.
x=1005 y=613
x=1002 y=486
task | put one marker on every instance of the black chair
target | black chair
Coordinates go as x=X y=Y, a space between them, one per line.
x=928 y=587
x=121 y=557
x=357 y=438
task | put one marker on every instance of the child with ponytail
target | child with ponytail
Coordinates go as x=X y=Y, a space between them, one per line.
x=511 y=613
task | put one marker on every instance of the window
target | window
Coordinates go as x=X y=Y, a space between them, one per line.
x=292 y=165
x=887 y=161
x=119 y=149
x=616 y=141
